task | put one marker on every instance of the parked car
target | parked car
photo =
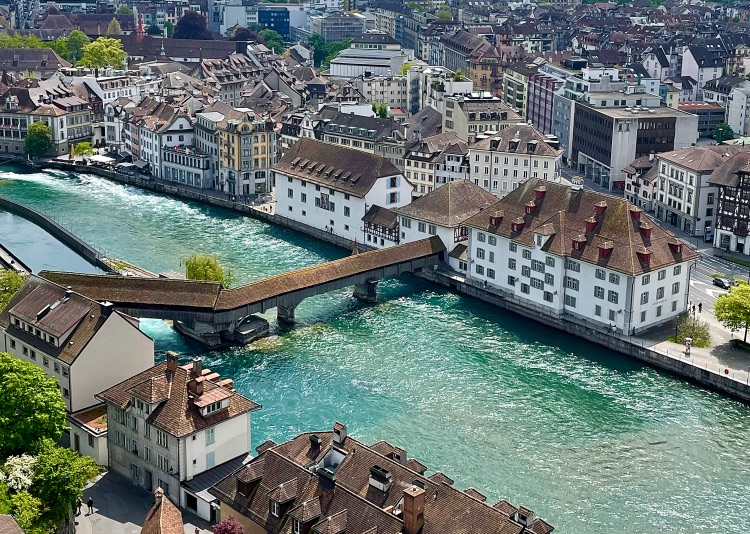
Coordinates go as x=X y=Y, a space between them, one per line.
x=723 y=283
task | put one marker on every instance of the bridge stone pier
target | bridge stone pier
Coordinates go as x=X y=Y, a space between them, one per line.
x=215 y=316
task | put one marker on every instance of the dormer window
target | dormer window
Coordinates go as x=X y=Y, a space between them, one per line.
x=213 y=407
x=274 y=508
x=296 y=526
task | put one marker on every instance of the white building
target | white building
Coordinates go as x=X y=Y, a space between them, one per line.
x=702 y=64
x=84 y=345
x=178 y=428
x=641 y=182
x=499 y=162
x=738 y=109
x=375 y=52
x=580 y=255
x=330 y=187
x=166 y=127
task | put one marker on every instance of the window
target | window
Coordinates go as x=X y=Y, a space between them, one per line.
x=613 y=297
x=643 y=316
x=296 y=527
x=210 y=460
x=598 y=310
x=491 y=273
x=66 y=393
x=658 y=311
x=525 y=288
x=526 y=254
x=290 y=193
x=422 y=227
x=674 y=306
x=548 y=296
x=406 y=223
x=537 y=265
x=91 y=440
x=549 y=279
x=536 y=283
x=601 y=274
x=570 y=301
x=614 y=278
x=660 y=293
x=147 y=430
x=677 y=270
x=46 y=361
x=133 y=423
x=303 y=197
x=274 y=508
x=162 y=439
x=481 y=237
x=57 y=365
x=646 y=279
x=662 y=274
x=550 y=261
x=573 y=266
x=162 y=462
x=675 y=288
x=479 y=269
x=480 y=253
x=525 y=270
x=612 y=315
x=571 y=283
x=511 y=280
x=492 y=240
x=511 y=264
x=432 y=229
x=644 y=297
x=513 y=247
x=210 y=436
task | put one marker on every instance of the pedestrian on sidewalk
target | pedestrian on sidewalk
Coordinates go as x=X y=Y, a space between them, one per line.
x=79 y=503
x=693 y=310
x=700 y=307
x=90 y=504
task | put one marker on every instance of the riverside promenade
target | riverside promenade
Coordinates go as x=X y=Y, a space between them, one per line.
x=711 y=368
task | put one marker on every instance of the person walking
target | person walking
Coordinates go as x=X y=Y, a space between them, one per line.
x=700 y=307
x=90 y=504
x=693 y=310
x=79 y=503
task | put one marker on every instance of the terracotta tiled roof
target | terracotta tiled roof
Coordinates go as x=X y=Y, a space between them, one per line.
x=163 y=517
x=8 y=525
x=449 y=205
x=567 y=210
x=175 y=415
x=702 y=158
x=522 y=134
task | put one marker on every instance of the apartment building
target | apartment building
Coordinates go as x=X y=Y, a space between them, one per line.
x=354 y=131
x=338 y=26
x=247 y=149
x=423 y=159
x=478 y=113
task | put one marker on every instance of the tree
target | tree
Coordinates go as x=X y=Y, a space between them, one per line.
x=60 y=46
x=114 y=27
x=170 y=29
x=18 y=471
x=207 y=267
x=723 y=132
x=733 y=309
x=32 y=409
x=84 y=149
x=244 y=34
x=229 y=526
x=380 y=110
x=77 y=40
x=104 y=52
x=318 y=46
x=192 y=25
x=124 y=10
x=59 y=477
x=38 y=140
x=26 y=511
x=10 y=282
x=444 y=14
x=153 y=30
x=273 y=40
x=404 y=69
x=333 y=50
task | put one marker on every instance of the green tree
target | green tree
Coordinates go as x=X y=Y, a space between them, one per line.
x=76 y=42
x=333 y=50
x=84 y=149
x=153 y=30
x=60 y=46
x=273 y=40
x=723 y=132
x=380 y=110
x=444 y=14
x=733 y=309
x=170 y=29
x=124 y=10
x=318 y=46
x=104 y=52
x=10 y=282
x=192 y=25
x=32 y=409
x=38 y=140
x=404 y=69
x=114 y=27
x=207 y=267
x=59 y=477
x=26 y=511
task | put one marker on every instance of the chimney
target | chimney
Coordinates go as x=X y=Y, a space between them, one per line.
x=339 y=433
x=172 y=361
x=413 y=509
x=600 y=207
x=380 y=478
x=576 y=183
x=197 y=367
x=107 y=308
x=195 y=386
x=158 y=494
x=651 y=156
x=68 y=292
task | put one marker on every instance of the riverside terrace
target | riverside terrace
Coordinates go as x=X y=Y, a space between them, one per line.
x=215 y=316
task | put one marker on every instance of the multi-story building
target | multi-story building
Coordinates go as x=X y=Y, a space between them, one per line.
x=331 y=482
x=452 y=164
x=51 y=101
x=390 y=90
x=718 y=90
x=476 y=114
x=732 y=214
x=38 y=63
x=429 y=86
x=206 y=136
x=354 y=131
x=423 y=158
x=456 y=48
x=702 y=64
x=373 y=51
x=338 y=26
x=738 y=109
x=612 y=129
x=247 y=149
x=540 y=95
x=498 y=163
x=228 y=76
x=170 y=424
x=515 y=85
x=685 y=198
x=186 y=165
x=641 y=182
x=710 y=115
x=581 y=255
x=330 y=187
x=82 y=344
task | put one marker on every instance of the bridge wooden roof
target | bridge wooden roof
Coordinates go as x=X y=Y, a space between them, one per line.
x=208 y=296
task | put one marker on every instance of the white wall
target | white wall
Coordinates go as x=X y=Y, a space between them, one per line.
x=411 y=231
x=98 y=452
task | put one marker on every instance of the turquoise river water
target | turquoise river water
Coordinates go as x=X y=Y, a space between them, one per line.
x=589 y=439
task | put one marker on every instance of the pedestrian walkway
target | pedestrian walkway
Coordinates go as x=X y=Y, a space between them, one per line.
x=120 y=508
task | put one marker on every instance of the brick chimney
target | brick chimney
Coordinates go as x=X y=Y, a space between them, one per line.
x=413 y=510
x=195 y=386
x=158 y=495
x=172 y=361
x=197 y=367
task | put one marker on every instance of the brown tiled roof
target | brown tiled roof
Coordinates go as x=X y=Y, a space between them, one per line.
x=344 y=169
x=566 y=210
x=523 y=134
x=728 y=173
x=78 y=317
x=163 y=517
x=702 y=158
x=8 y=525
x=175 y=415
x=349 y=502
x=450 y=204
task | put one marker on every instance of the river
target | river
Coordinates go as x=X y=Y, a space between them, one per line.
x=589 y=439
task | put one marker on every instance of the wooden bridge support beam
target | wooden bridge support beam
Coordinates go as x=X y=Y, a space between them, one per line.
x=368 y=291
x=285 y=314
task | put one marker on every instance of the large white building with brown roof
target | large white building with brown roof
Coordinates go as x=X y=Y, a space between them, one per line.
x=330 y=187
x=331 y=483
x=83 y=344
x=499 y=162
x=577 y=254
x=177 y=428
